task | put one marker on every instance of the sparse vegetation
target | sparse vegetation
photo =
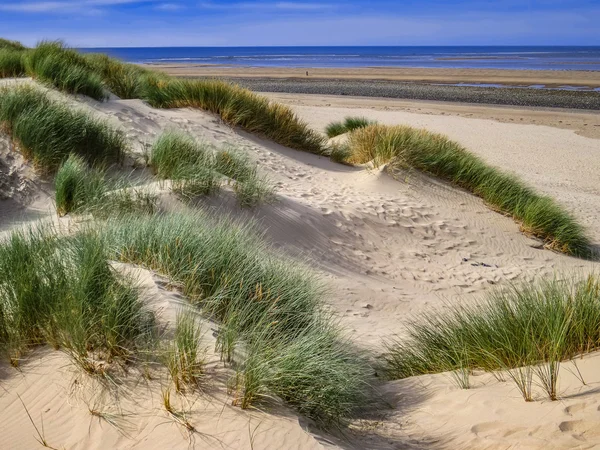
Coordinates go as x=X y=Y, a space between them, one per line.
x=80 y=188
x=48 y=131
x=264 y=302
x=197 y=169
x=65 y=69
x=524 y=330
x=439 y=156
x=348 y=124
x=123 y=80
x=236 y=106
x=184 y=355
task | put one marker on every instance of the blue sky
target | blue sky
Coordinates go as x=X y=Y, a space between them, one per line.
x=115 y=23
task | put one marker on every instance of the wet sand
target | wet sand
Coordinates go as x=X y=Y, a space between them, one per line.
x=488 y=76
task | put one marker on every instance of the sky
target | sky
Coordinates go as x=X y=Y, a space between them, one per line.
x=164 y=23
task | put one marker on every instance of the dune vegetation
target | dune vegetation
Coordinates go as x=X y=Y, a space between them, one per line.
x=274 y=328
x=197 y=169
x=84 y=189
x=65 y=69
x=435 y=154
x=48 y=131
x=95 y=75
x=523 y=331
x=11 y=63
x=63 y=292
x=236 y=106
x=348 y=124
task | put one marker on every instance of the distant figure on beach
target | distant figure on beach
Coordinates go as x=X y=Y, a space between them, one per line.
x=307 y=73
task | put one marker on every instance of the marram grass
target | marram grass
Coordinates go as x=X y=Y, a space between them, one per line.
x=437 y=155
x=273 y=323
x=65 y=69
x=84 y=189
x=11 y=63
x=524 y=331
x=63 y=292
x=347 y=125
x=198 y=169
x=48 y=131
x=236 y=106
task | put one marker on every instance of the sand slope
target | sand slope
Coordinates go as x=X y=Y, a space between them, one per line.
x=388 y=248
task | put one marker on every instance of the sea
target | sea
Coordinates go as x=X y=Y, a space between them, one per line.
x=498 y=57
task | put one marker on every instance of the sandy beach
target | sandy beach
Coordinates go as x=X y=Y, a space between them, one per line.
x=387 y=248
x=492 y=76
x=347 y=259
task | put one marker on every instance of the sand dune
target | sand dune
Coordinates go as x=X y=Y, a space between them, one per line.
x=389 y=246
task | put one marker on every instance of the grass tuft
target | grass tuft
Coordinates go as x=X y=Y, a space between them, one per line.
x=80 y=188
x=11 y=63
x=65 y=69
x=48 y=131
x=64 y=292
x=123 y=80
x=184 y=356
x=197 y=169
x=266 y=304
x=236 y=106
x=525 y=330
x=11 y=45
x=439 y=156
x=348 y=124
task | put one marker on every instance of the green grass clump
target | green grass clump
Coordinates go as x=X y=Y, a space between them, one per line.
x=80 y=188
x=11 y=63
x=236 y=106
x=348 y=124
x=11 y=45
x=439 y=156
x=525 y=330
x=197 y=169
x=123 y=80
x=270 y=309
x=65 y=69
x=184 y=356
x=63 y=292
x=48 y=131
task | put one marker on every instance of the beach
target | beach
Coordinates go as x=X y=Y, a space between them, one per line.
x=551 y=78
x=300 y=257
x=500 y=87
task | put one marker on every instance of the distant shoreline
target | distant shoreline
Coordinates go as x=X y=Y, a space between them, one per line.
x=549 y=78
x=495 y=87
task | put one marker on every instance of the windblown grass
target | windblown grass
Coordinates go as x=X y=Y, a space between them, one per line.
x=184 y=356
x=64 y=292
x=525 y=330
x=348 y=124
x=439 y=156
x=273 y=323
x=236 y=106
x=197 y=169
x=48 y=131
x=80 y=188
x=11 y=63
x=11 y=45
x=123 y=80
x=65 y=69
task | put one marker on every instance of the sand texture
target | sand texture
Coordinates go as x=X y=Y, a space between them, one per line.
x=388 y=245
x=500 y=76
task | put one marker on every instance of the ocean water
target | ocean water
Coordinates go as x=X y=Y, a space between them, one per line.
x=534 y=58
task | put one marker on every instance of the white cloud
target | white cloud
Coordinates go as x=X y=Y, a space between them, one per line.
x=169 y=7
x=289 y=6
x=64 y=6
